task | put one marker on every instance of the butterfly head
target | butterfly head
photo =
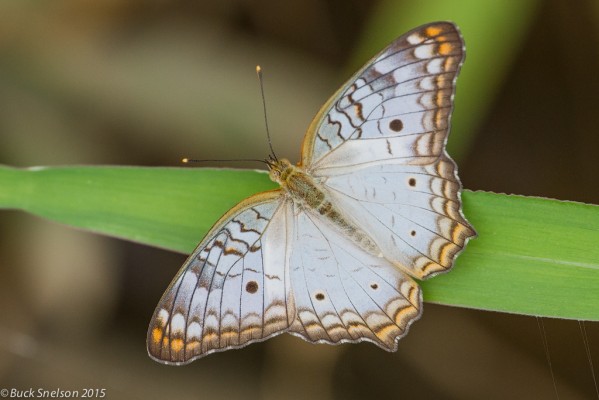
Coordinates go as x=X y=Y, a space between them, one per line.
x=279 y=170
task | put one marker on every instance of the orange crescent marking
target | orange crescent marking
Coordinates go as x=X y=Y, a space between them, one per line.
x=156 y=335
x=432 y=31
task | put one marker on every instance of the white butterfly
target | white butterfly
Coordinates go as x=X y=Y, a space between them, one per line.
x=330 y=256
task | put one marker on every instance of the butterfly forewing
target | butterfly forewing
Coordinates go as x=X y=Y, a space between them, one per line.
x=234 y=288
x=414 y=75
x=380 y=149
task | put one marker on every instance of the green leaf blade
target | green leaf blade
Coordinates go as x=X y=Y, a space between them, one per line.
x=171 y=208
x=532 y=256
x=535 y=256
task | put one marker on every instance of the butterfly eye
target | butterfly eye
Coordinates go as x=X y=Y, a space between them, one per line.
x=274 y=174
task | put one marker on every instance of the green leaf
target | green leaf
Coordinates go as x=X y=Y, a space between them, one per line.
x=171 y=208
x=533 y=256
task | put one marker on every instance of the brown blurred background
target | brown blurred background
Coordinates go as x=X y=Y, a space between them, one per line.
x=146 y=83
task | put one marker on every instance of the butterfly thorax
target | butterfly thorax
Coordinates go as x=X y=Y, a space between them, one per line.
x=309 y=194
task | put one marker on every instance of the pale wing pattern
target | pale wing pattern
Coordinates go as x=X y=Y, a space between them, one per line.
x=233 y=289
x=407 y=89
x=412 y=212
x=379 y=146
x=344 y=294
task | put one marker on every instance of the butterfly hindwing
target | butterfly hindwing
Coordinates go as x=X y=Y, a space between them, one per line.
x=342 y=293
x=379 y=146
x=234 y=288
x=412 y=212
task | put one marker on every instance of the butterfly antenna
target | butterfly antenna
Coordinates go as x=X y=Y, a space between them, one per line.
x=189 y=161
x=259 y=72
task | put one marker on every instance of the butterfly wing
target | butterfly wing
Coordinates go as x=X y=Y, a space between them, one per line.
x=344 y=294
x=233 y=289
x=378 y=145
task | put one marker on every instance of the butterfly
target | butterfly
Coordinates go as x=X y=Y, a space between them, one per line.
x=331 y=255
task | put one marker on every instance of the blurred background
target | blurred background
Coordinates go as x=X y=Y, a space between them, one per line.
x=149 y=82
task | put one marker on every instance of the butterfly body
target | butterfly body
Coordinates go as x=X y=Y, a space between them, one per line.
x=311 y=196
x=331 y=256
